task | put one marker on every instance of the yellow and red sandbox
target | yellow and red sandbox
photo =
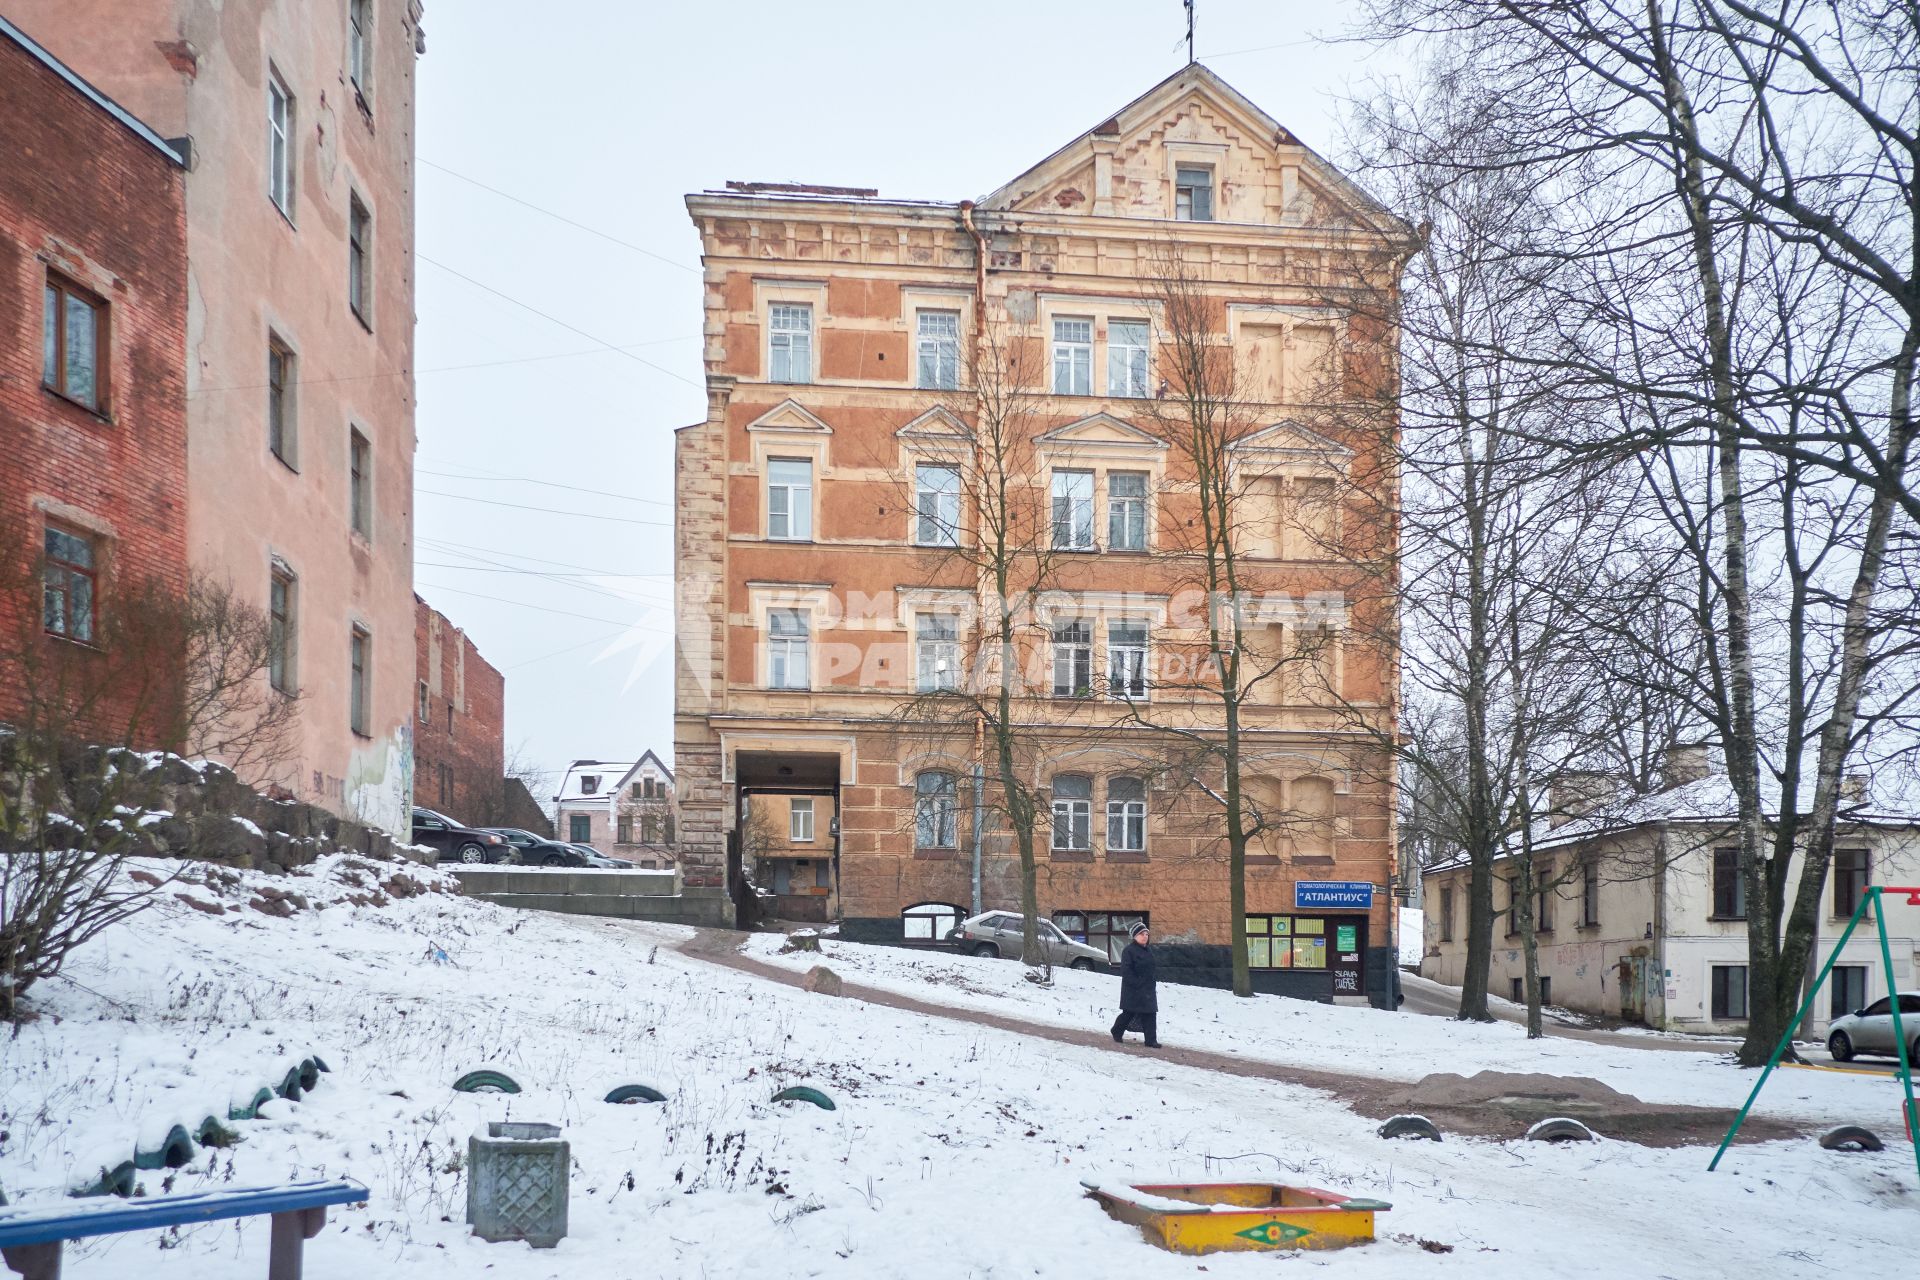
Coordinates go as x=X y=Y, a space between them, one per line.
x=1209 y=1217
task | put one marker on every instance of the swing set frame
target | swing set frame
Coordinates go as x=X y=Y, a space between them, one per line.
x=1868 y=900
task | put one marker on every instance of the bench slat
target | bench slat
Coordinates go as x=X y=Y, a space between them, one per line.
x=103 y=1216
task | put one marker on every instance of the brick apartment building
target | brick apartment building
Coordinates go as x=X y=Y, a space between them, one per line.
x=459 y=728
x=814 y=602
x=297 y=120
x=93 y=331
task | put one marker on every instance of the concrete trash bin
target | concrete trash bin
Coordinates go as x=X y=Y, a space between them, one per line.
x=517 y=1183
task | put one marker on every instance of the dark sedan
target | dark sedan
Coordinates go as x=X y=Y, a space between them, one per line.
x=536 y=850
x=452 y=842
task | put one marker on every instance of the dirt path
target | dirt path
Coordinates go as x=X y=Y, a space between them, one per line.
x=1646 y=1123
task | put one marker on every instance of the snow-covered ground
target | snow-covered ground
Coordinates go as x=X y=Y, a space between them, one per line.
x=1359 y=1041
x=956 y=1150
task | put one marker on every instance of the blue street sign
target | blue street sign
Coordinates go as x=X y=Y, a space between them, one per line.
x=1332 y=895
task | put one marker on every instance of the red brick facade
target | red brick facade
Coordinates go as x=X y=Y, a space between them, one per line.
x=93 y=202
x=459 y=727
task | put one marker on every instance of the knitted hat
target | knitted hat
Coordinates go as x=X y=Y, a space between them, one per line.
x=1140 y=928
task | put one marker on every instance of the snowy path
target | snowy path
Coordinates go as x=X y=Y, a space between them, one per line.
x=956 y=1151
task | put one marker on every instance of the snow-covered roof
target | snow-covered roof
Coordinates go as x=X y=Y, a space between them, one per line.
x=640 y=766
x=606 y=775
x=1708 y=800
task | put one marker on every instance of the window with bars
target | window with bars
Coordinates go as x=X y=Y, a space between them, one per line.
x=1193 y=193
x=936 y=808
x=1073 y=510
x=1073 y=813
x=787 y=645
x=790 y=342
x=1729 y=888
x=1127 y=358
x=1072 y=357
x=790 y=499
x=73 y=356
x=360 y=260
x=279 y=144
x=936 y=504
x=1127 y=660
x=280 y=400
x=280 y=636
x=68 y=597
x=1126 y=815
x=1849 y=881
x=360 y=667
x=1072 y=659
x=936 y=654
x=939 y=350
x=1126 y=511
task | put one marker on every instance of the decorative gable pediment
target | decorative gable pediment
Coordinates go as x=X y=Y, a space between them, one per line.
x=1126 y=167
x=790 y=416
x=1103 y=430
x=1289 y=440
x=937 y=423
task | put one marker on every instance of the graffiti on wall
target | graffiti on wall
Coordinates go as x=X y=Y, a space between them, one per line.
x=380 y=783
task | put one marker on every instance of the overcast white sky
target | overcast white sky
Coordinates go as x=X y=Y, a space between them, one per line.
x=607 y=112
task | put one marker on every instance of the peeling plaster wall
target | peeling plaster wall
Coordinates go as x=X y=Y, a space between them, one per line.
x=379 y=785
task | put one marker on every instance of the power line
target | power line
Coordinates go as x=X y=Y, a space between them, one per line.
x=485 y=476
x=445 y=368
x=521 y=506
x=527 y=662
x=504 y=195
x=533 y=573
x=527 y=604
x=458 y=549
x=501 y=566
x=553 y=319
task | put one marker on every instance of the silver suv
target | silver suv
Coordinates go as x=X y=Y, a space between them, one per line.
x=1001 y=933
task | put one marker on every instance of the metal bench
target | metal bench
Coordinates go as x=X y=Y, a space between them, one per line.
x=31 y=1236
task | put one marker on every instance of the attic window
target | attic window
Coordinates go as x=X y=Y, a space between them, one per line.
x=1193 y=194
x=589 y=783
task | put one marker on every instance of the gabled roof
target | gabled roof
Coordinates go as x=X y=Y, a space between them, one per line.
x=1137 y=115
x=646 y=758
x=99 y=99
x=607 y=771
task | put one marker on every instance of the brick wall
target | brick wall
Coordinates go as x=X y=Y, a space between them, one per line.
x=459 y=730
x=84 y=196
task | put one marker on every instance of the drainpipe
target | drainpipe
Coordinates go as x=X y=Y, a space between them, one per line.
x=979 y=724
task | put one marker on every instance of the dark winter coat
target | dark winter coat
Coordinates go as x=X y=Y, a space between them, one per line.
x=1136 y=980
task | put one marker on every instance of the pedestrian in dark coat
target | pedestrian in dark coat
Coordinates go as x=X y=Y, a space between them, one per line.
x=1139 y=1002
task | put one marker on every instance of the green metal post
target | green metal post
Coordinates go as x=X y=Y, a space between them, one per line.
x=1899 y=1034
x=1786 y=1037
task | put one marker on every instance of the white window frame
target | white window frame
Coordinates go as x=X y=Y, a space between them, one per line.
x=1127 y=681
x=1127 y=513
x=280 y=139
x=789 y=653
x=1071 y=532
x=936 y=811
x=1072 y=815
x=1073 y=355
x=791 y=342
x=936 y=657
x=1072 y=640
x=799 y=831
x=1128 y=817
x=937 y=350
x=1127 y=361
x=936 y=508
x=798 y=500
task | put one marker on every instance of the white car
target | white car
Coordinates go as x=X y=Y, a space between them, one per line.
x=1870 y=1030
x=997 y=933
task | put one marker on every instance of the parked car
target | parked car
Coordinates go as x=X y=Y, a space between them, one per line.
x=1870 y=1030
x=594 y=858
x=1002 y=933
x=536 y=850
x=452 y=842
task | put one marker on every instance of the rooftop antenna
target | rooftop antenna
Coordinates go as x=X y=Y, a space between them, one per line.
x=1189 y=7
